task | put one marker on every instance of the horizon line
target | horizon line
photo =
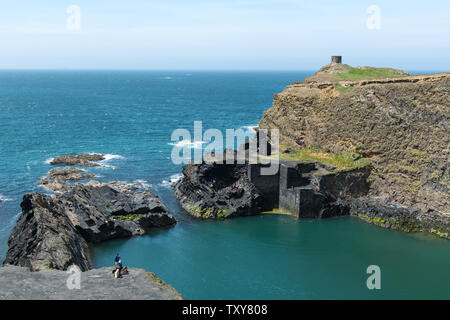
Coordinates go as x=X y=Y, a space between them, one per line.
x=189 y=70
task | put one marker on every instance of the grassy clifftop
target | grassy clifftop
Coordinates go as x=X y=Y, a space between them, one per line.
x=335 y=72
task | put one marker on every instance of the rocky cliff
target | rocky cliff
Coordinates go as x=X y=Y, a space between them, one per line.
x=216 y=191
x=400 y=124
x=53 y=231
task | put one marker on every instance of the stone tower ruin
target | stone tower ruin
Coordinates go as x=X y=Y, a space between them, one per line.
x=336 y=59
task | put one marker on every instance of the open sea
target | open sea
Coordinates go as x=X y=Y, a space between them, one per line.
x=130 y=115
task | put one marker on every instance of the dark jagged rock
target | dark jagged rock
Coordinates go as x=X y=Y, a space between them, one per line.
x=102 y=211
x=379 y=212
x=217 y=191
x=58 y=177
x=44 y=237
x=83 y=160
x=53 y=231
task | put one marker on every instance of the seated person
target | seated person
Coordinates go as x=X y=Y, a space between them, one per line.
x=120 y=270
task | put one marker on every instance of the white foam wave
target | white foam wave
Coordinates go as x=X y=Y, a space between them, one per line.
x=49 y=160
x=173 y=178
x=109 y=157
x=142 y=183
x=188 y=144
x=252 y=129
x=3 y=198
x=106 y=166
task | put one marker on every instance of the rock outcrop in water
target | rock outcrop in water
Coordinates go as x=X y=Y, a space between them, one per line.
x=53 y=231
x=83 y=160
x=217 y=191
x=305 y=190
x=45 y=237
x=57 y=178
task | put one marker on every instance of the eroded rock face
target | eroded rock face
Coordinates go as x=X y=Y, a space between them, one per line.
x=53 y=231
x=217 y=191
x=44 y=237
x=401 y=124
x=83 y=160
x=377 y=211
x=102 y=211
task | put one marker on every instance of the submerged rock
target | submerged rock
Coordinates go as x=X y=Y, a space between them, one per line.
x=82 y=160
x=58 y=177
x=53 y=231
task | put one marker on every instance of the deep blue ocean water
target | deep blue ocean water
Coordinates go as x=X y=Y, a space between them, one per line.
x=130 y=116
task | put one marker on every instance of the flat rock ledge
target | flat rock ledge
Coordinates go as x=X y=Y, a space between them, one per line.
x=18 y=283
x=57 y=178
x=83 y=160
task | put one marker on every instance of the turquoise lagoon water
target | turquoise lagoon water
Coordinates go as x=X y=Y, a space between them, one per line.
x=130 y=116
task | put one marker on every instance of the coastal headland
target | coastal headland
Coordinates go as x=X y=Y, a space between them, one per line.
x=367 y=142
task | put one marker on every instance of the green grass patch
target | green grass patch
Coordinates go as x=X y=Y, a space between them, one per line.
x=341 y=161
x=155 y=278
x=417 y=152
x=275 y=211
x=409 y=169
x=129 y=217
x=221 y=214
x=436 y=174
x=198 y=212
x=375 y=219
x=343 y=89
x=439 y=233
x=369 y=73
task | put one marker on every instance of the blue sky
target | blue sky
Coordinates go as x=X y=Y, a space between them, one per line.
x=229 y=34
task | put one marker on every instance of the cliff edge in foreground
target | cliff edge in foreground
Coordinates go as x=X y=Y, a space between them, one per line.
x=98 y=284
